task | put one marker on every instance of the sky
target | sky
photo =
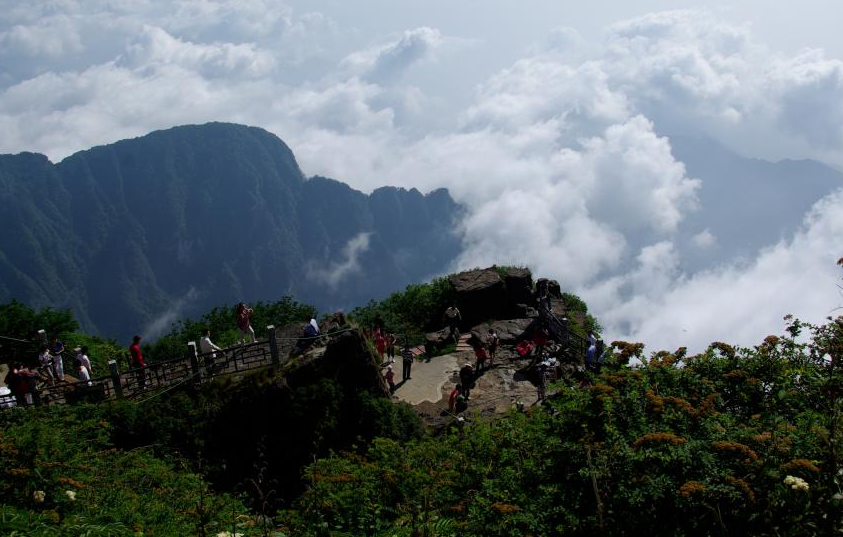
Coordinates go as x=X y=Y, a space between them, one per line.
x=551 y=121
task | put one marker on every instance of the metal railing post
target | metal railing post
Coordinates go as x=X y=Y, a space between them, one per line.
x=194 y=360
x=115 y=379
x=273 y=346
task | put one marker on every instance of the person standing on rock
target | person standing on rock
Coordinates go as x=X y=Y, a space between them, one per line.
x=494 y=341
x=390 y=347
x=244 y=323
x=541 y=385
x=453 y=319
x=452 y=400
x=407 y=362
x=480 y=354
x=380 y=345
x=466 y=379
x=390 y=378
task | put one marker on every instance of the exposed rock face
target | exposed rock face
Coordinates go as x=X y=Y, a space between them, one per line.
x=519 y=292
x=510 y=331
x=481 y=295
x=346 y=359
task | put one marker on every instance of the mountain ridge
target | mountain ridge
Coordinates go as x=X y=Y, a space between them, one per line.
x=192 y=216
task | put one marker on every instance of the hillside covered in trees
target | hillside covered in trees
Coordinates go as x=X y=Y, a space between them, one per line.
x=202 y=214
x=728 y=441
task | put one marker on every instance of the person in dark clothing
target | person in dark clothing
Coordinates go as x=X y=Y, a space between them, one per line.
x=407 y=361
x=453 y=319
x=541 y=384
x=377 y=325
x=467 y=379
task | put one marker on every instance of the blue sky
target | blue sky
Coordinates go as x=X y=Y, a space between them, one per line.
x=553 y=117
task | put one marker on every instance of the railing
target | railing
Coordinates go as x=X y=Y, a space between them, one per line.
x=572 y=342
x=157 y=376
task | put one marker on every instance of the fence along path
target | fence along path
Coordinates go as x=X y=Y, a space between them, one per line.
x=193 y=367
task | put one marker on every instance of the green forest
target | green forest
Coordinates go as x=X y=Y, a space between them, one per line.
x=726 y=442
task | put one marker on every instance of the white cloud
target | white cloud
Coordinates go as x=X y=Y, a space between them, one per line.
x=737 y=303
x=334 y=273
x=388 y=62
x=559 y=157
x=704 y=239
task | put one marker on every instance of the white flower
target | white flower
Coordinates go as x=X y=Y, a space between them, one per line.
x=796 y=483
x=39 y=496
x=229 y=534
x=71 y=495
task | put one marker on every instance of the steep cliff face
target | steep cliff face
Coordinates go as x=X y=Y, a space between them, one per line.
x=180 y=220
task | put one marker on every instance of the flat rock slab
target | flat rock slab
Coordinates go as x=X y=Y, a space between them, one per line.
x=427 y=379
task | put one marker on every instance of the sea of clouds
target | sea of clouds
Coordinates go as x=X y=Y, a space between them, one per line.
x=562 y=157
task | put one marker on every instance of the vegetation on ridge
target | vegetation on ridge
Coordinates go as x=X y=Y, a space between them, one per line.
x=731 y=440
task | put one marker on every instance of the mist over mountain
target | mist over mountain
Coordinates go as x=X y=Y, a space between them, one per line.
x=133 y=234
x=744 y=203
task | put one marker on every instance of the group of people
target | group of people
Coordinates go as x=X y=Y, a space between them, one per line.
x=385 y=344
x=22 y=381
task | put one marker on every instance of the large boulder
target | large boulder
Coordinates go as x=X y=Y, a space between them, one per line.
x=481 y=295
x=519 y=289
x=510 y=331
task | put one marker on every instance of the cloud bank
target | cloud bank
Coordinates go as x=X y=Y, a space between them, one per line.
x=562 y=157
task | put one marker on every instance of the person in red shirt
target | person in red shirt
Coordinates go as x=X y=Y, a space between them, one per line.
x=137 y=361
x=380 y=345
x=480 y=354
x=540 y=337
x=244 y=323
x=452 y=400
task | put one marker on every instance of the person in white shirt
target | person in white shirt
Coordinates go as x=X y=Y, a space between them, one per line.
x=83 y=360
x=208 y=350
x=82 y=372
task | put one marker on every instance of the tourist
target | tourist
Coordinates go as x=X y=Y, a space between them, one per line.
x=390 y=378
x=21 y=382
x=452 y=400
x=494 y=342
x=137 y=362
x=480 y=354
x=453 y=319
x=47 y=364
x=207 y=347
x=83 y=374
x=407 y=362
x=83 y=360
x=56 y=350
x=380 y=345
x=540 y=337
x=315 y=326
x=466 y=379
x=541 y=371
x=244 y=323
x=544 y=304
x=591 y=357
x=390 y=347
x=377 y=325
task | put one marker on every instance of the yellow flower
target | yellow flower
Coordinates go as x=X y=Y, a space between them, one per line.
x=71 y=495
x=39 y=496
